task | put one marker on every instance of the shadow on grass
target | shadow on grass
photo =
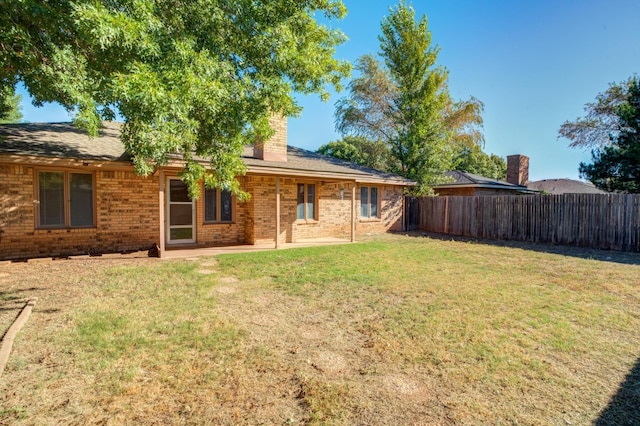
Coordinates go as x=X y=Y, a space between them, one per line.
x=573 y=251
x=624 y=407
x=11 y=295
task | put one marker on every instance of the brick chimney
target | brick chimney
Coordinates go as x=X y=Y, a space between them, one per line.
x=518 y=169
x=274 y=149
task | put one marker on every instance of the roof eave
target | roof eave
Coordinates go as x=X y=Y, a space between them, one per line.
x=357 y=177
x=522 y=189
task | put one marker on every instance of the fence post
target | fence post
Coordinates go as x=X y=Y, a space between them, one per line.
x=446 y=215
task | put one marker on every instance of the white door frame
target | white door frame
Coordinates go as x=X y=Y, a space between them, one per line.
x=169 y=227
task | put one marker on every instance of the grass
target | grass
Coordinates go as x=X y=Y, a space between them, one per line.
x=395 y=330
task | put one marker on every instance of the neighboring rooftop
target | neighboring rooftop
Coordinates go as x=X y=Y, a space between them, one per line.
x=565 y=186
x=463 y=179
x=63 y=140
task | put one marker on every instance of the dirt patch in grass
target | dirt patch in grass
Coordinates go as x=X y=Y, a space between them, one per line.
x=395 y=331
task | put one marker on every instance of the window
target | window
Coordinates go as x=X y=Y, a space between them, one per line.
x=306 y=201
x=218 y=206
x=65 y=200
x=369 y=202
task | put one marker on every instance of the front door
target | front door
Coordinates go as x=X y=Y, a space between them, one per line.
x=181 y=213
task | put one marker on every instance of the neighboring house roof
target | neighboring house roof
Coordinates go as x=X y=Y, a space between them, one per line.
x=565 y=186
x=469 y=180
x=63 y=140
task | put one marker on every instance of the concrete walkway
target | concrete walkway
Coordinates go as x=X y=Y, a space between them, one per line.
x=185 y=252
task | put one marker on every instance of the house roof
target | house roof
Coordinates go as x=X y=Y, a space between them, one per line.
x=302 y=162
x=565 y=186
x=64 y=141
x=463 y=179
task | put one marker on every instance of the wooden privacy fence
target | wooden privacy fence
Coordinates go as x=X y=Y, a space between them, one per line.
x=606 y=221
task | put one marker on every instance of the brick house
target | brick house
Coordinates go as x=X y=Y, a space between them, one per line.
x=62 y=193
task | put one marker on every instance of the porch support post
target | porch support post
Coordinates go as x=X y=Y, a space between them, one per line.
x=277 y=211
x=353 y=213
x=161 y=212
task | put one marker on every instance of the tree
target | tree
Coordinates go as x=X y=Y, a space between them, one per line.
x=473 y=160
x=199 y=78
x=600 y=125
x=343 y=150
x=419 y=144
x=10 y=106
x=463 y=121
x=405 y=104
x=367 y=111
x=359 y=150
x=616 y=167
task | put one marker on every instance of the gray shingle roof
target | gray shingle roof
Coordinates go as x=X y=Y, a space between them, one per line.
x=464 y=178
x=565 y=186
x=62 y=140
x=302 y=160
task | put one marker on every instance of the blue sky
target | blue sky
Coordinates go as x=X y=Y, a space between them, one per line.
x=534 y=64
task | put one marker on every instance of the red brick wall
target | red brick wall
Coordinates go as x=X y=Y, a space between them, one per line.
x=469 y=192
x=334 y=213
x=454 y=192
x=274 y=149
x=222 y=233
x=518 y=169
x=126 y=216
x=390 y=212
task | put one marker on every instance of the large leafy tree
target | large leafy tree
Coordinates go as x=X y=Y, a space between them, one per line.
x=404 y=102
x=616 y=167
x=419 y=143
x=196 y=77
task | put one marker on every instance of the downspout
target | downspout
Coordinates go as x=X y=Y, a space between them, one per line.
x=277 y=211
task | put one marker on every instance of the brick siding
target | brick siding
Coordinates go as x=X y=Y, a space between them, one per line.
x=222 y=233
x=274 y=149
x=127 y=214
x=334 y=213
x=468 y=192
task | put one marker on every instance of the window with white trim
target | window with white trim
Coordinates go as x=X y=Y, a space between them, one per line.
x=369 y=202
x=218 y=205
x=65 y=200
x=306 y=202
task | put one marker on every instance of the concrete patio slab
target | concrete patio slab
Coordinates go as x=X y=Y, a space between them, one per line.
x=189 y=252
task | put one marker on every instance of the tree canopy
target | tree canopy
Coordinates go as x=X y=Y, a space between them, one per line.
x=600 y=125
x=10 y=106
x=616 y=166
x=196 y=77
x=473 y=160
x=359 y=150
x=403 y=102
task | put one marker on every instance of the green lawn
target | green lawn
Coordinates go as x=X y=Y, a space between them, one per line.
x=397 y=330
